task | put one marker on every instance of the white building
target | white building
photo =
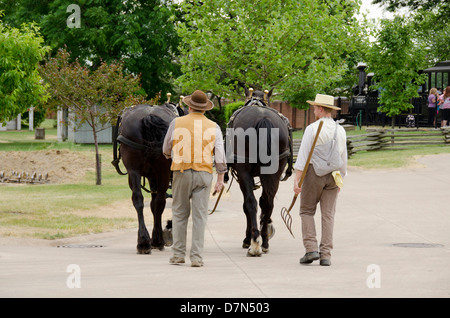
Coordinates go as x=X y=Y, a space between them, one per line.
x=80 y=135
x=16 y=124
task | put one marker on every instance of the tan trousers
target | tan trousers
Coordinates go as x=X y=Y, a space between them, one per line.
x=316 y=190
x=188 y=186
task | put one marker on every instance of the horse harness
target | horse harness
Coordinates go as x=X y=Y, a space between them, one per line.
x=257 y=102
x=121 y=139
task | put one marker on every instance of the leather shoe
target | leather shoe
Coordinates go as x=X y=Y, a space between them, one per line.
x=176 y=260
x=309 y=258
x=196 y=264
x=325 y=262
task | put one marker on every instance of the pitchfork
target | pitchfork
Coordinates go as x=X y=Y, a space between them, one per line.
x=285 y=213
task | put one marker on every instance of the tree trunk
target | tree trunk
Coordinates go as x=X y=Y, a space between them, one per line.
x=393 y=127
x=98 y=163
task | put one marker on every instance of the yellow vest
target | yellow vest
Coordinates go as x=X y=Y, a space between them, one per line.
x=194 y=136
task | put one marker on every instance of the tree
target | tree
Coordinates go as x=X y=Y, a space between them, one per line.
x=395 y=61
x=295 y=46
x=20 y=83
x=431 y=22
x=392 y=5
x=94 y=97
x=141 y=33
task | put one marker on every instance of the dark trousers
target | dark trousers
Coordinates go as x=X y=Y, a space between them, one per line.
x=431 y=116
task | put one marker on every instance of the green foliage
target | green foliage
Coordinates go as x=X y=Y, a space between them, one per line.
x=140 y=32
x=393 y=5
x=20 y=83
x=222 y=115
x=395 y=60
x=38 y=117
x=432 y=30
x=93 y=97
x=230 y=109
x=431 y=23
x=292 y=45
x=217 y=115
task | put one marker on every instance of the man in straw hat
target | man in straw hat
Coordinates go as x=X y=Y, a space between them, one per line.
x=192 y=141
x=320 y=187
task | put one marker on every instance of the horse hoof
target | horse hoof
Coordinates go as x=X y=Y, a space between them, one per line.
x=255 y=247
x=265 y=250
x=245 y=245
x=161 y=247
x=253 y=255
x=144 y=250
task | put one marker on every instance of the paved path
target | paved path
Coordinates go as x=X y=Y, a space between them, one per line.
x=376 y=209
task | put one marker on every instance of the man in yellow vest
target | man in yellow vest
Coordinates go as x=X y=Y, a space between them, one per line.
x=192 y=141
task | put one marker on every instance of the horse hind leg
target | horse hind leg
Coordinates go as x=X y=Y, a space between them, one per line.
x=252 y=238
x=252 y=241
x=254 y=248
x=157 y=205
x=144 y=240
x=267 y=228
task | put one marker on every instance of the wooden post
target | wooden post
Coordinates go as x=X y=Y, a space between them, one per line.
x=59 y=125
x=31 y=119
x=39 y=133
x=19 y=122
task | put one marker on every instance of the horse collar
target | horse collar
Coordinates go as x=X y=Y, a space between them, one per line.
x=255 y=102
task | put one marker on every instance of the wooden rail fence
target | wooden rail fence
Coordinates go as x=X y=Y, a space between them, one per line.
x=396 y=139
x=380 y=139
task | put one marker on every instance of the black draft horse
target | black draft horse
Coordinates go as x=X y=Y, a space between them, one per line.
x=140 y=131
x=253 y=118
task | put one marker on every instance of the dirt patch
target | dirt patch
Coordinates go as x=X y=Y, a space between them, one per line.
x=62 y=166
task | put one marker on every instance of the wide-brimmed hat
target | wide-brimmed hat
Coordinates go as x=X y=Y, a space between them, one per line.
x=324 y=101
x=199 y=101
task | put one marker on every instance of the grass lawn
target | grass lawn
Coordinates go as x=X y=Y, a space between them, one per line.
x=53 y=211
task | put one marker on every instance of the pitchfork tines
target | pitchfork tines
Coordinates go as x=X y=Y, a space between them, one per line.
x=286 y=216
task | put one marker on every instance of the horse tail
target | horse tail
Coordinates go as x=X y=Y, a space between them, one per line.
x=264 y=123
x=116 y=157
x=154 y=129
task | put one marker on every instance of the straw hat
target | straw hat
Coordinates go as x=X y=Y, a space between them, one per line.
x=199 y=101
x=324 y=101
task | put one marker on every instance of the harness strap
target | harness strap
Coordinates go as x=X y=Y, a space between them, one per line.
x=282 y=155
x=132 y=144
x=288 y=153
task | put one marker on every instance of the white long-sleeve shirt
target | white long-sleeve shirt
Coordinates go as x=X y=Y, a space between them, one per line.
x=326 y=134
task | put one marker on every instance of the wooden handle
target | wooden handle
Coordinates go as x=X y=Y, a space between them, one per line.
x=218 y=198
x=302 y=178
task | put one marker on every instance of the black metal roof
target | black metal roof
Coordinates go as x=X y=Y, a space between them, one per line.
x=439 y=67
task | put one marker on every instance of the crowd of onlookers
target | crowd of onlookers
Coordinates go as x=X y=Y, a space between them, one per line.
x=439 y=104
